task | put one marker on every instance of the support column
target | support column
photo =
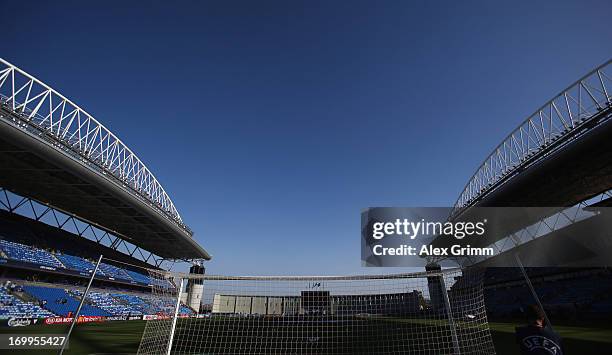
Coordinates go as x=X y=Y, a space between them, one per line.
x=441 y=301
x=435 y=287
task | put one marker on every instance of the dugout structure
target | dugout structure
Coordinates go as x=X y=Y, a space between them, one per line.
x=432 y=312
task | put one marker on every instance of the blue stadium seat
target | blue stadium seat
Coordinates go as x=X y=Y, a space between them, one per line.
x=138 y=277
x=152 y=305
x=138 y=303
x=12 y=307
x=75 y=262
x=110 y=304
x=35 y=255
x=28 y=254
x=114 y=272
x=61 y=302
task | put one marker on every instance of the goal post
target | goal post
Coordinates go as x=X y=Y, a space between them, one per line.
x=433 y=312
x=166 y=307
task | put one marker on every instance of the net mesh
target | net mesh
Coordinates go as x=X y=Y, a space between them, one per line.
x=401 y=313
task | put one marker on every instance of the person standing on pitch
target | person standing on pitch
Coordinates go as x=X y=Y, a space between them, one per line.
x=537 y=338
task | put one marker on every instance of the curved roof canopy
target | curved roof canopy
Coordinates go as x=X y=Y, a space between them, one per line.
x=578 y=109
x=560 y=156
x=55 y=152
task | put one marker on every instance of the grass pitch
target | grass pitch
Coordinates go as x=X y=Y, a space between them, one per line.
x=124 y=337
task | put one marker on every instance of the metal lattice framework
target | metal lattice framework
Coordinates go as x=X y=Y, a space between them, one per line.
x=544 y=226
x=571 y=112
x=40 y=109
x=37 y=211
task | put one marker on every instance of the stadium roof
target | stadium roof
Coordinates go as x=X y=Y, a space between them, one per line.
x=53 y=151
x=559 y=156
x=574 y=112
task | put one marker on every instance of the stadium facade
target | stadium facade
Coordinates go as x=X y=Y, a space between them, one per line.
x=70 y=191
x=320 y=302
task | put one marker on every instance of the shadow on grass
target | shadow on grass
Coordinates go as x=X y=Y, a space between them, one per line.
x=103 y=338
x=124 y=337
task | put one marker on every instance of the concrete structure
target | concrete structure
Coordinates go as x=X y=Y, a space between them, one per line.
x=195 y=288
x=243 y=304
x=291 y=306
x=224 y=304
x=275 y=306
x=320 y=304
x=259 y=305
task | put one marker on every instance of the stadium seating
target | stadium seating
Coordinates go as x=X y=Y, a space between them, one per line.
x=26 y=231
x=184 y=310
x=21 y=252
x=114 y=272
x=563 y=291
x=53 y=301
x=137 y=303
x=108 y=303
x=148 y=305
x=138 y=277
x=161 y=283
x=22 y=240
x=75 y=263
x=61 y=302
x=11 y=306
x=28 y=254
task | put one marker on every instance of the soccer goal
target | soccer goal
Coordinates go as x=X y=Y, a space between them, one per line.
x=439 y=312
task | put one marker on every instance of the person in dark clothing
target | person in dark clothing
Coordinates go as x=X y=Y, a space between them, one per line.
x=537 y=338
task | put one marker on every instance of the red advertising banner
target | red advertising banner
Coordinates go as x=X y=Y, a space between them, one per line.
x=81 y=319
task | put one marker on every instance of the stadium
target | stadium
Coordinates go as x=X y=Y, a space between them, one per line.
x=83 y=215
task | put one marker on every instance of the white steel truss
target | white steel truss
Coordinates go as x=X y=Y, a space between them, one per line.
x=32 y=209
x=569 y=113
x=36 y=107
x=544 y=226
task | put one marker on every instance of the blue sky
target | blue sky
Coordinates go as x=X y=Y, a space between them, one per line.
x=273 y=124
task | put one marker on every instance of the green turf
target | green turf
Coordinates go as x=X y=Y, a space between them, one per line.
x=99 y=338
x=124 y=337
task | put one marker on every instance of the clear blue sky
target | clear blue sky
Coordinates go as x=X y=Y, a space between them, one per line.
x=273 y=124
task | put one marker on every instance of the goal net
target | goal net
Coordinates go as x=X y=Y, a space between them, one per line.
x=439 y=312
